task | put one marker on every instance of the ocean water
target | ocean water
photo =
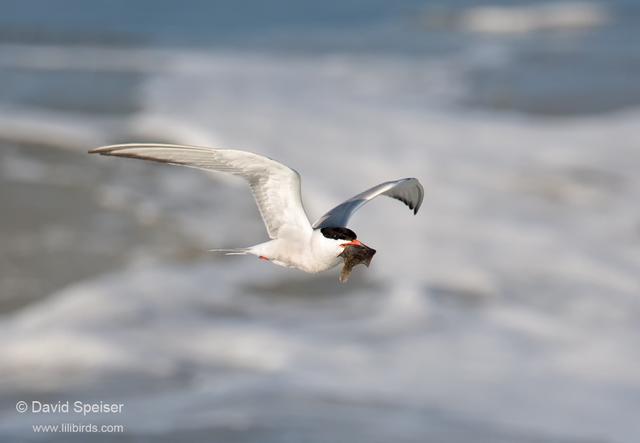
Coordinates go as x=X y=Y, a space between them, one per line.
x=505 y=311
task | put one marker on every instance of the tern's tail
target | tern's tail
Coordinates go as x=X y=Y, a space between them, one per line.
x=232 y=251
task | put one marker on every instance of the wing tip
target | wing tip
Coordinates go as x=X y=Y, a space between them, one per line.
x=420 y=194
x=100 y=150
x=119 y=149
x=106 y=150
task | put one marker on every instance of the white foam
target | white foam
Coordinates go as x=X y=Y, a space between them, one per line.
x=534 y=18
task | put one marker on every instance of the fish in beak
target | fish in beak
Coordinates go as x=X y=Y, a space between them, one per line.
x=354 y=253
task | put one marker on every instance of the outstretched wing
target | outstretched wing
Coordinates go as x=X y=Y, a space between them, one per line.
x=275 y=187
x=407 y=190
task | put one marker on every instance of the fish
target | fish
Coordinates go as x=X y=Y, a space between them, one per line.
x=354 y=255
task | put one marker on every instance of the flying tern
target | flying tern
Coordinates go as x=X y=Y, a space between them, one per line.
x=294 y=241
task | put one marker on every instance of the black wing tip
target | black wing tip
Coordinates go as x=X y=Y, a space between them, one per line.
x=123 y=147
x=421 y=191
x=417 y=208
x=105 y=150
x=109 y=149
x=121 y=151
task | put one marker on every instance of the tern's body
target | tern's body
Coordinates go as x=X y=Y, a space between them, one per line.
x=309 y=252
x=295 y=242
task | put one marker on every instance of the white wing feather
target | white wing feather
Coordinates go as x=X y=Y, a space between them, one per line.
x=275 y=187
x=407 y=190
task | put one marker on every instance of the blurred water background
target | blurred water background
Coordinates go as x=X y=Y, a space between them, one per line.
x=506 y=311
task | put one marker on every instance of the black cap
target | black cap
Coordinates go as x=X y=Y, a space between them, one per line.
x=339 y=233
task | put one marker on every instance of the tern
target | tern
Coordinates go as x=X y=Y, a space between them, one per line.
x=294 y=241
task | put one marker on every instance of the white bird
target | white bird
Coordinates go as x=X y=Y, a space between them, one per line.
x=295 y=242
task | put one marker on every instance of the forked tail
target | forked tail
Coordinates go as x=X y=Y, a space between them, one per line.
x=232 y=251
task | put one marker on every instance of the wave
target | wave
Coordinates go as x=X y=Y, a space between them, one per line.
x=521 y=19
x=534 y=18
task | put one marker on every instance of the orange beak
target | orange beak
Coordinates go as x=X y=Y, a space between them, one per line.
x=352 y=243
